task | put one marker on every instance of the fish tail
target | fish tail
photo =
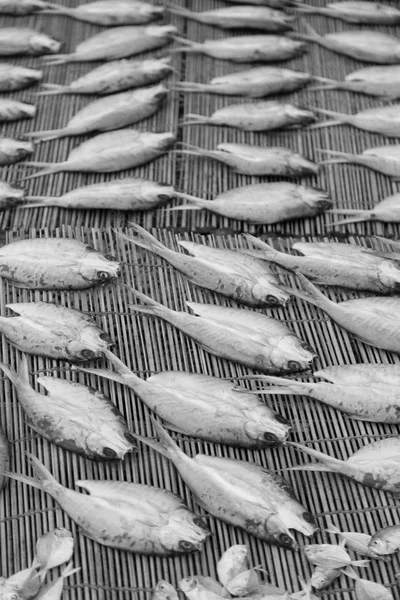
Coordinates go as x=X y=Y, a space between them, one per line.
x=165 y=447
x=196 y=120
x=57 y=59
x=69 y=570
x=344 y=157
x=103 y=373
x=151 y=307
x=325 y=124
x=258 y=243
x=285 y=386
x=360 y=219
x=199 y=202
x=177 y=10
x=144 y=239
x=52 y=89
x=10 y=373
x=311 y=34
x=328 y=462
x=360 y=563
x=350 y=572
x=387 y=241
x=39 y=201
x=182 y=207
x=192 y=86
x=46 y=135
x=51 y=168
x=312 y=294
x=42 y=476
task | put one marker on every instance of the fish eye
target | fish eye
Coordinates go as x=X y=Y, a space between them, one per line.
x=308 y=517
x=186 y=546
x=307 y=549
x=105 y=337
x=200 y=522
x=164 y=197
x=272 y=300
x=271 y=438
x=293 y=365
x=88 y=354
x=103 y=275
x=161 y=586
x=285 y=539
x=110 y=257
x=374 y=543
x=109 y=453
x=281 y=419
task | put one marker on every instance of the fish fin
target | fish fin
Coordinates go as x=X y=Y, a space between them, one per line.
x=10 y=373
x=312 y=293
x=196 y=120
x=52 y=168
x=174 y=428
x=323 y=124
x=103 y=373
x=52 y=89
x=159 y=447
x=41 y=478
x=328 y=462
x=57 y=59
x=332 y=528
x=360 y=563
x=177 y=10
x=359 y=219
x=350 y=572
x=258 y=243
x=141 y=237
x=151 y=307
x=69 y=570
x=191 y=87
x=49 y=134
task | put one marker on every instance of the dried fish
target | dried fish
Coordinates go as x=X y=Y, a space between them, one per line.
x=249 y=338
x=253 y=160
x=21 y=7
x=12 y=151
x=55 y=331
x=53 y=549
x=244 y=583
x=53 y=590
x=194 y=589
x=111 y=112
x=240 y=493
x=331 y=556
x=239 y=17
x=260 y=116
x=205 y=407
x=164 y=591
x=384 y=159
x=369 y=590
x=264 y=203
x=13 y=110
x=233 y=561
x=127 y=516
x=365 y=45
x=23 y=585
x=375 y=81
x=376 y=464
x=104 y=12
x=355 y=11
x=248 y=48
x=335 y=263
x=14 y=77
x=114 y=76
x=16 y=41
x=255 y=83
x=385 y=541
x=357 y=542
x=10 y=195
x=72 y=416
x=131 y=193
x=379 y=119
x=117 y=42
x=209 y=584
x=109 y=152
x=242 y=278
x=272 y=3
x=4 y=458
x=322 y=577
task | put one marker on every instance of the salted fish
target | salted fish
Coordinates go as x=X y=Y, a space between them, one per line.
x=364 y=45
x=109 y=152
x=104 y=12
x=54 y=589
x=240 y=493
x=356 y=11
x=355 y=541
x=233 y=561
x=16 y=41
x=331 y=556
x=21 y=7
x=368 y=392
x=114 y=76
x=239 y=17
x=242 y=278
x=248 y=48
x=260 y=116
x=369 y=590
x=253 y=160
x=255 y=83
x=265 y=203
x=127 y=516
x=376 y=464
x=12 y=151
x=384 y=542
x=205 y=407
x=117 y=42
x=72 y=415
x=13 y=110
x=53 y=549
x=249 y=338
x=384 y=159
x=387 y=211
x=108 y=113
x=379 y=119
x=14 y=77
x=164 y=591
x=10 y=195
x=4 y=458
x=55 y=331
x=335 y=263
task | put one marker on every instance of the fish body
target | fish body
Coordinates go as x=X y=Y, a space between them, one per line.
x=110 y=112
x=384 y=159
x=322 y=577
x=240 y=17
x=10 y=195
x=331 y=556
x=236 y=276
x=267 y=203
x=13 y=110
x=164 y=591
x=126 y=516
x=116 y=12
x=14 y=77
x=249 y=338
x=111 y=151
x=118 y=42
x=387 y=211
x=15 y=41
x=379 y=119
x=240 y=493
x=260 y=116
x=54 y=548
x=4 y=459
x=249 y=48
x=12 y=151
x=55 y=331
x=256 y=83
x=385 y=541
x=369 y=590
x=72 y=415
x=21 y=7
x=114 y=76
x=244 y=583
x=357 y=11
x=357 y=542
x=252 y=160
x=374 y=81
x=233 y=561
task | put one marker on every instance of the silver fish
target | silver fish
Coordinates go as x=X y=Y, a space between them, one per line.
x=365 y=45
x=53 y=549
x=335 y=263
x=375 y=81
x=205 y=407
x=164 y=591
x=118 y=194
x=240 y=493
x=239 y=17
x=385 y=541
x=374 y=320
x=387 y=211
x=21 y=7
x=12 y=151
x=379 y=119
x=194 y=589
x=16 y=41
x=55 y=331
x=255 y=83
x=368 y=392
x=384 y=159
x=331 y=556
x=355 y=11
x=72 y=416
x=10 y=195
x=249 y=338
x=233 y=561
x=375 y=465
x=369 y=590
x=54 y=590
x=322 y=577
x=253 y=160
x=357 y=542
x=117 y=42
x=127 y=516
x=109 y=152
x=265 y=203
x=56 y=263
x=248 y=48
x=109 y=113
x=260 y=116
x=244 y=583
x=14 y=77
x=242 y=278
x=114 y=76
x=4 y=459
x=110 y=13
x=13 y=110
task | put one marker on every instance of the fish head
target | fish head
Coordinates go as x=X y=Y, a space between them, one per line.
x=294 y=515
x=378 y=546
x=266 y=427
x=298 y=162
x=43 y=44
x=292 y=354
x=279 y=533
x=164 y=591
x=109 y=444
x=389 y=275
x=319 y=579
x=98 y=267
x=188 y=584
x=316 y=198
x=150 y=11
x=269 y=294
x=54 y=548
x=161 y=31
x=10 y=195
x=160 y=67
x=92 y=344
x=159 y=141
x=297 y=115
x=185 y=532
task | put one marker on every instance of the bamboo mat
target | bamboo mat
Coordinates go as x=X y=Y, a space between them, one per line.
x=350 y=186
x=148 y=345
